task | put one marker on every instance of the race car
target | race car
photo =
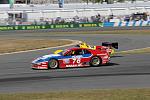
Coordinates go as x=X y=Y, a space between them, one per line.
x=72 y=57
x=108 y=46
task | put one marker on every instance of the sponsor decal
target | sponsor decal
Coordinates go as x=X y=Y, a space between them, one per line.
x=75 y=65
x=105 y=57
x=66 y=61
x=41 y=67
x=77 y=59
x=102 y=54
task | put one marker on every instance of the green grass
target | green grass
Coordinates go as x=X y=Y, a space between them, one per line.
x=13 y=45
x=134 y=32
x=135 y=51
x=114 y=94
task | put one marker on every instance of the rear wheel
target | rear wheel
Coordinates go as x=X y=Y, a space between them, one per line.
x=53 y=63
x=95 y=61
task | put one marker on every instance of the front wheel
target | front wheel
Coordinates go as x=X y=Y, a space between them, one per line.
x=53 y=64
x=95 y=61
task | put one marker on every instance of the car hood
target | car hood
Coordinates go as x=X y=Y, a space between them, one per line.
x=45 y=58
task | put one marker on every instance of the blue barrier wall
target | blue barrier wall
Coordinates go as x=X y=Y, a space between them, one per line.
x=108 y=24
x=126 y=24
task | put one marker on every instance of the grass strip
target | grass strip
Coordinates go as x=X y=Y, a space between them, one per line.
x=132 y=32
x=14 y=45
x=113 y=94
x=135 y=51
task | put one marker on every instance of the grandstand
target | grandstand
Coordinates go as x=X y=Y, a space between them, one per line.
x=54 y=1
x=47 y=11
x=74 y=1
x=39 y=1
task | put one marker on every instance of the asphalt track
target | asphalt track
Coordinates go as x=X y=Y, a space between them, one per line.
x=124 y=71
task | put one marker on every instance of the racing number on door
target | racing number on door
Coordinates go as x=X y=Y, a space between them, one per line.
x=76 y=60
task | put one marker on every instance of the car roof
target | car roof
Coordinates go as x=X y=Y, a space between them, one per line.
x=75 y=48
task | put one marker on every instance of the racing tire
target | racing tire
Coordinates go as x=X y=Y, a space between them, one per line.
x=53 y=64
x=95 y=61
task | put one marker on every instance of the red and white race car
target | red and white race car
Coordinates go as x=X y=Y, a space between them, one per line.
x=110 y=47
x=72 y=57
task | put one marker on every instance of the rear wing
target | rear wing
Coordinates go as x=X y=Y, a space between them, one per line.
x=110 y=44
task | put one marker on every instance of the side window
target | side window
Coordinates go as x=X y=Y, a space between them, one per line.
x=78 y=52
x=69 y=53
x=86 y=51
x=75 y=52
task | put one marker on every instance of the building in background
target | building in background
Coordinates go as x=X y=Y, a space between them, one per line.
x=49 y=11
x=15 y=1
x=22 y=1
x=54 y=1
x=57 y=1
x=39 y=1
x=4 y=1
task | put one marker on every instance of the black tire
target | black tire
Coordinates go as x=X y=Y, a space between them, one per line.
x=53 y=64
x=95 y=61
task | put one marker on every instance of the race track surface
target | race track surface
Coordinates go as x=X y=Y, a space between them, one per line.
x=124 y=71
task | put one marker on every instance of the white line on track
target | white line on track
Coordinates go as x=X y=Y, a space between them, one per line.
x=74 y=42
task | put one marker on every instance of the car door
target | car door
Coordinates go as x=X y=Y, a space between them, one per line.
x=86 y=57
x=73 y=58
x=79 y=57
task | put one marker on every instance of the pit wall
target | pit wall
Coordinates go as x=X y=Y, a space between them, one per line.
x=77 y=25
